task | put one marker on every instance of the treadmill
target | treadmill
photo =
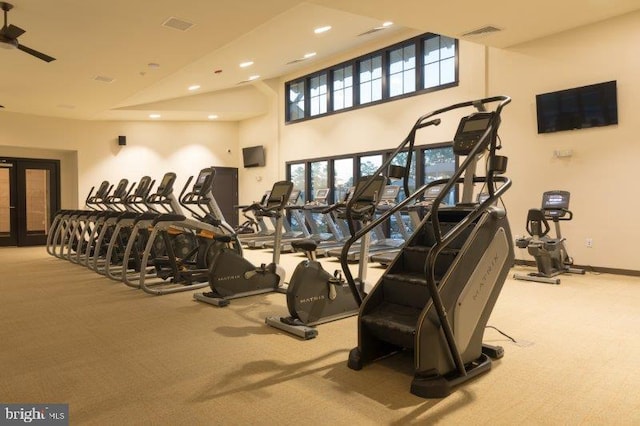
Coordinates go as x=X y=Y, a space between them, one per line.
x=416 y=211
x=382 y=243
x=260 y=242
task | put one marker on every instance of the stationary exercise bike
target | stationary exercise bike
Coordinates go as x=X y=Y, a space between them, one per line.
x=232 y=276
x=550 y=253
x=315 y=296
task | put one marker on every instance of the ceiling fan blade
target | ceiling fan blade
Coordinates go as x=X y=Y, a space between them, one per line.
x=35 y=53
x=12 y=32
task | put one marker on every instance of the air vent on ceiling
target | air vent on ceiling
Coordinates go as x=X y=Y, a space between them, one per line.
x=177 y=24
x=371 y=31
x=103 y=79
x=487 y=29
x=295 y=61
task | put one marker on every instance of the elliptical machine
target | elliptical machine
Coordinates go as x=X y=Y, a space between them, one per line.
x=550 y=253
x=315 y=296
x=231 y=276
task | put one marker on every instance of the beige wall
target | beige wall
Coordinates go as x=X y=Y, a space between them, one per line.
x=597 y=174
x=601 y=175
x=89 y=150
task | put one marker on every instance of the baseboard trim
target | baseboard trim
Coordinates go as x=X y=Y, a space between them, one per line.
x=589 y=268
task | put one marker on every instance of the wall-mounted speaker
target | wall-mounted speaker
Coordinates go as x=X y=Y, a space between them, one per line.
x=122 y=140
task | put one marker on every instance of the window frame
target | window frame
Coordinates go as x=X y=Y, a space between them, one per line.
x=418 y=154
x=418 y=42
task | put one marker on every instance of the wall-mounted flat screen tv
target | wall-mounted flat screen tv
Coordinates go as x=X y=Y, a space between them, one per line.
x=253 y=156
x=595 y=105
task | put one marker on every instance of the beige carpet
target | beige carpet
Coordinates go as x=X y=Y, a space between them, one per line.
x=119 y=356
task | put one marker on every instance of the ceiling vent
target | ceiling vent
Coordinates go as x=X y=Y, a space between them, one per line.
x=371 y=31
x=488 y=29
x=177 y=24
x=295 y=61
x=103 y=79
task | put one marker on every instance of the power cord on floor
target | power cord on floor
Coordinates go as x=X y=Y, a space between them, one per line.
x=504 y=334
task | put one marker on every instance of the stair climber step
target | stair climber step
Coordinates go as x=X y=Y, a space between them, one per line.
x=393 y=323
x=407 y=289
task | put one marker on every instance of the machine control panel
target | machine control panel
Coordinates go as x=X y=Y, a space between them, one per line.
x=471 y=129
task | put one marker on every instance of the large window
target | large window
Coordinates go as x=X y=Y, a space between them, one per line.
x=318 y=94
x=319 y=177
x=370 y=79
x=439 y=61
x=342 y=87
x=439 y=163
x=428 y=162
x=402 y=70
x=298 y=175
x=295 y=102
x=342 y=178
x=415 y=66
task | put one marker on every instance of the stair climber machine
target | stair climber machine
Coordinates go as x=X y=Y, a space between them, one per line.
x=550 y=253
x=436 y=296
x=231 y=276
x=315 y=296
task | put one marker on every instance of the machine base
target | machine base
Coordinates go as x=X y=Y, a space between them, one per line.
x=302 y=331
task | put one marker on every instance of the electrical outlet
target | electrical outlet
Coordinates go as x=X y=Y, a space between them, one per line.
x=589 y=242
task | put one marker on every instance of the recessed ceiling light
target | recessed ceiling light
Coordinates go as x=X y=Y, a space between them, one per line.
x=387 y=24
x=246 y=64
x=153 y=65
x=194 y=87
x=154 y=116
x=321 y=30
x=254 y=77
x=309 y=55
x=212 y=117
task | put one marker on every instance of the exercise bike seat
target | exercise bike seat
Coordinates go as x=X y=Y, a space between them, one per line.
x=304 y=245
x=223 y=238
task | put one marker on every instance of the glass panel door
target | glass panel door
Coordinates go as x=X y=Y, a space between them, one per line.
x=37 y=200
x=8 y=235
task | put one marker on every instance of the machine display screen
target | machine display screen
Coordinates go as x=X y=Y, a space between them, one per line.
x=322 y=193
x=475 y=125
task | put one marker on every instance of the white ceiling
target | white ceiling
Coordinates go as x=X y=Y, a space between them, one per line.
x=119 y=38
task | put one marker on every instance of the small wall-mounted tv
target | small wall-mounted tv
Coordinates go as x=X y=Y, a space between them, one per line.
x=583 y=107
x=253 y=156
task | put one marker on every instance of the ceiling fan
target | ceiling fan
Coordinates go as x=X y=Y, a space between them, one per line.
x=9 y=36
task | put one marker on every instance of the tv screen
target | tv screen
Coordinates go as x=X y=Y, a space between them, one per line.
x=253 y=156
x=578 y=108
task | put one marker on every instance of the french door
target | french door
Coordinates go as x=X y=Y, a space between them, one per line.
x=29 y=197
